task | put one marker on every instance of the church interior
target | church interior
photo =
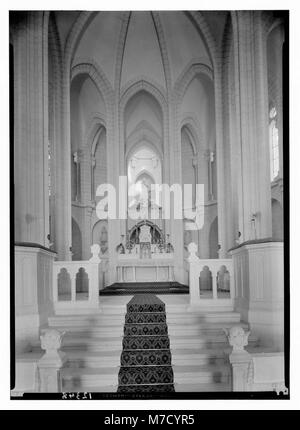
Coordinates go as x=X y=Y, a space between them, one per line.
x=145 y=300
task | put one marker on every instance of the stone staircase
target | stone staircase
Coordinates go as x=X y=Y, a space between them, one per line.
x=198 y=345
x=129 y=288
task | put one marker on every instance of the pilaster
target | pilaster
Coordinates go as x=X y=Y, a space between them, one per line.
x=31 y=128
x=250 y=50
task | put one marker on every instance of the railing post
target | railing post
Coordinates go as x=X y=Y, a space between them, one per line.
x=239 y=358
x=120 y=274
x=194 y=270
x=50 y=364
x=73 y=273
x=94 y=262
x=214 y=274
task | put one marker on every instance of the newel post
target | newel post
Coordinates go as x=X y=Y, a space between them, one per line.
x=94 y=263
x=239 y=357
x=194 y=270
x=52 y=361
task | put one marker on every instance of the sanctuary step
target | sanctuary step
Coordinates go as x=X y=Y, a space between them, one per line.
x=194 y=346
x=129 y=288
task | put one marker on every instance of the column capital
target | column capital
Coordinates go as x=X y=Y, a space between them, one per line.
x=78 y=156
x=209 y=155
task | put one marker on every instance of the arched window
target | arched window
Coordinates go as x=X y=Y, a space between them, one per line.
x=274 y=144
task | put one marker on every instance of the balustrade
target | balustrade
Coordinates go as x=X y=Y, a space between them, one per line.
x=68 y=275
x=209 y=279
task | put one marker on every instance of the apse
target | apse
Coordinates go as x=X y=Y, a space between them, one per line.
x=144 y=167
x=143 y=133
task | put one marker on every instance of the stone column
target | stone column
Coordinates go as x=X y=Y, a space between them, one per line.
x=209 y=158
x=202 y=178
x=63 y=207
x=113 y=154
x=85 y=176
x=85 y=162
x=174 y=227
x=250 y=52
x=196 y=176
x=220 y=165
x=30 y=44
x=86 y=232
x=92 y=172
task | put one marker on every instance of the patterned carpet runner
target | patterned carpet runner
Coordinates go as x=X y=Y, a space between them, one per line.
x=146 y=356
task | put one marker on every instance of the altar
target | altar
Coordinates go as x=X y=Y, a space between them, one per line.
x=136 y=270
x=146 y=257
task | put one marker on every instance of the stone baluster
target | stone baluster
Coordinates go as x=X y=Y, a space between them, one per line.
x=194 y=275
x=239 y=358
x=49 y=366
